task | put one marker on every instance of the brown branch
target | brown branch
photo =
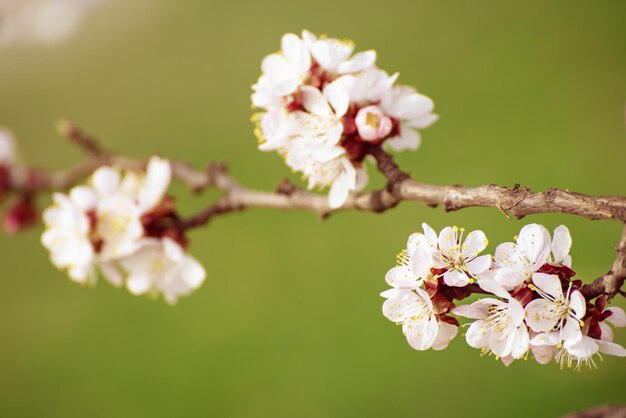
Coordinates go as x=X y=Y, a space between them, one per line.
x=516 y=201
x=611 y=283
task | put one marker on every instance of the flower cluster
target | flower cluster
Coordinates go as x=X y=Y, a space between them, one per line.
x=535 y=304
x=124 y=226
x=323 y=107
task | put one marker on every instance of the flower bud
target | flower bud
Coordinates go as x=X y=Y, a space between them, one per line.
x=21 y=215
x=372 y=123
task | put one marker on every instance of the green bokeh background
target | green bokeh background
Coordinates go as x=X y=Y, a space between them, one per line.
x=288 y=323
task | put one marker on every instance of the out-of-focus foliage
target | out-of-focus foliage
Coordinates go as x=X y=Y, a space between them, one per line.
x=288 y=322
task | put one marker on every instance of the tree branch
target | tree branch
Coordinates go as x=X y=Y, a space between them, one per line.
x=517 y=201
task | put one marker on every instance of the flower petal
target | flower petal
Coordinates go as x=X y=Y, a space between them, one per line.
x=617 y=318
x=455 y=278
x=610 y=348
x=578 y=304
x=534 y=241
x=474 y=244
x=358 y=62
x=421 y=334
x=479 y=265
x=549 y=283
x=106 y=180
x=538 y=317
x=561 y=243
x=158 y=176
x=445 y=334
x=521 y=342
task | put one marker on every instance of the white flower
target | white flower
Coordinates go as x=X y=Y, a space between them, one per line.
x=94 y=227
x=67 y=234
x=372 y=123
x=548 y=346
x=283 y=72
x=414 y=310
x=276 y=129
x=122 y=203
x=325 y=166
x=555 y=311
x=500 y=328
x=321 y=123
x=307 y=60
x=7 y=147
x=161 y=267
x=517 y=262
x=413 y=111
x=334 y=55
x=461 y=261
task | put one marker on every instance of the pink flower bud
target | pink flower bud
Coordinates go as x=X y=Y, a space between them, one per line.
x=20 y=216
x=372 y=124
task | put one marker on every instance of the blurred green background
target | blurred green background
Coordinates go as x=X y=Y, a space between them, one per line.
x=289 y=323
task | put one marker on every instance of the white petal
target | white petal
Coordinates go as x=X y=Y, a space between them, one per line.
x=421 y=262
x=445 y=334
x=538 y=315
x=314 y=101
x=549 y=283
x=447 y=239
x=192 y=272
x=534 y=240
x=423 y=121
x=397 y=310
x=455 y=278
x=617 y=318
x=401 y=277
x=479 y=265
x=158 y=176
x=492 y=286
x=474 y=244
x=578 y=304
x=421 y=334
x=430 y=234
x=359 y=62
x=571 y=332
x=509 y=277
x=338 y=98
x=546 y=339
x=477 y=335
x=138 y=284
x=561 y=243
x=408 y=140
x=543 y=354
x=339 y=192
x=112 y=274
x=521 y=341
x=474 y=311
x=610 y=348
x=83 y=198
x=329 y=53
x=584 y=348
x=106 y=181
x=296 y=52
x=606 y=332
x=501 y=340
